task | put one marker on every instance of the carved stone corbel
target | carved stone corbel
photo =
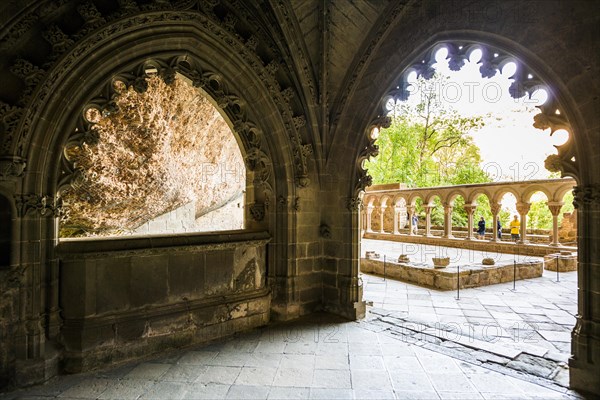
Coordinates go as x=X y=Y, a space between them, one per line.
x=11 y=167
x=45 y=206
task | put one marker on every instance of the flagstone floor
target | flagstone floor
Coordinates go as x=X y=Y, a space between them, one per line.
x=325 y=357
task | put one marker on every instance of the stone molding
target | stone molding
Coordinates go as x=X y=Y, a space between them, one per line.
x=162 y=310
x=146 y=245
x=525 y=83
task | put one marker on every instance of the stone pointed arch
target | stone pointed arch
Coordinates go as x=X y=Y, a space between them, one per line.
x=165 y=43
x=562 y=111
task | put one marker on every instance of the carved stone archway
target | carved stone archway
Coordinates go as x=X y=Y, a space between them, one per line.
x=128 y=50
x=558 y=112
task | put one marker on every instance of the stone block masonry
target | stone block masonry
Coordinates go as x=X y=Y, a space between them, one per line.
x=563 y=261
x=446 y=278
x=124 y=299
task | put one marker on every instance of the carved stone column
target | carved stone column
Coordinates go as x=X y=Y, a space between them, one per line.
x=555 y=210
x=411 y=227
x=427 y=220
x=381 y=218
x=523 y=209
x=584 y=365
x=448 y=221
x=38 y=310
x=470 y=209
x=495 y=209
x=370 y=209
x=397 y=210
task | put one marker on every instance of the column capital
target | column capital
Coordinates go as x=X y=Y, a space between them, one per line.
x=495 y=208
x=555 y=207
x=470 y=208
x=411 y=209
x=523 y=208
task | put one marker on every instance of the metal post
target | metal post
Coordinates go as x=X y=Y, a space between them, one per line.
x=515 y=275
x=458 y=282
x=384 y=268
x=557 y=277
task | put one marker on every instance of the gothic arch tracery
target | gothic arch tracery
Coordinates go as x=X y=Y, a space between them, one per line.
x=232 y=22
x=492 y=60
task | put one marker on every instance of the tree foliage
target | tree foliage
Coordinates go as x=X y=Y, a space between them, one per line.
x=429 y=144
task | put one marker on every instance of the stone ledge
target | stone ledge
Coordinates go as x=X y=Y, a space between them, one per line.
x=152 y=244
x=506 y=247
x=446 y=278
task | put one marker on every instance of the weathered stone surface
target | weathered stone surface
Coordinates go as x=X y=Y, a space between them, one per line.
x=446 y=278
x=149 y=301
x=563 y=261
x=302 y=106
x=441 y=262
x=160 y=150
x=533 y=365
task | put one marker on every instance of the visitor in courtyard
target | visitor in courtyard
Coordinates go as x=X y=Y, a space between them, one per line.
x=499 y=229
x=481 y=228
x=515 y=225
x=415 y=223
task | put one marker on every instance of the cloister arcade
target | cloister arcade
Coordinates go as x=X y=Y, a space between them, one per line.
x=389 y=208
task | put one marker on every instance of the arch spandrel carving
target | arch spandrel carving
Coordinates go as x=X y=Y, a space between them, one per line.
x=127 y=20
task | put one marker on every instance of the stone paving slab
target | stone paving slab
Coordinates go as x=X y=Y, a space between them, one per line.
x=358 y=360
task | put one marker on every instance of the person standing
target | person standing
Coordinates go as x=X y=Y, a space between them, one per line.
x=515 y=226
x=499 y=227
x=481 y=229
x=415 y=223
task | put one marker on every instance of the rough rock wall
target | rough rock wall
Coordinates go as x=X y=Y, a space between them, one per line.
x=158 y=150
x=184 y=220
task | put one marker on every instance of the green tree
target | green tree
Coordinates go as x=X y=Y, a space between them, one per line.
x=428 y=144
x=539 y=216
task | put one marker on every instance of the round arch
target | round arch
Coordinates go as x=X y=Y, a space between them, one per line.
x=500 y=194
x=529 y=191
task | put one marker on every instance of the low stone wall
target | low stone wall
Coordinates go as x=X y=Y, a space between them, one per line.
x=563 y=261
x=535 y=250
x=127 y=298
x=446 y=278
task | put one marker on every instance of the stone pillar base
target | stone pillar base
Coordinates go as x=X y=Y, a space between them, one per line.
x=33 y=372
x=566 y=262
x=584 y=377
x=354 y=311
x=584 y=365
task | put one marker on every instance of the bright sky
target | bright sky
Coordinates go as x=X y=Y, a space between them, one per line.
x=512 y=149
